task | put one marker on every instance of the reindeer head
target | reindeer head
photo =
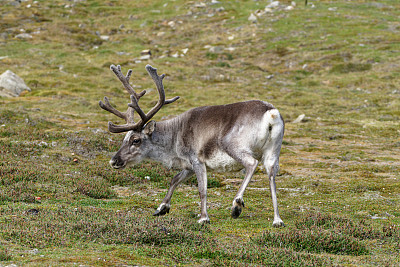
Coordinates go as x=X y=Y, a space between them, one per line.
x=136 y=143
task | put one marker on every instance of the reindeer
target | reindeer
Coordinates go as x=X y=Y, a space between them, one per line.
x=225 y=138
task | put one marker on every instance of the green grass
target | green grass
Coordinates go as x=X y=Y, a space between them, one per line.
x=315 y=241
x=339 y=184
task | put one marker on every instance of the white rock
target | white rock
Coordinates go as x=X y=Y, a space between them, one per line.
x=145 y=57
x=11 y=85
x=104 y=37
x=274 y=4
x=252 y=18
x=375 y=217
x=23 y=36
x=216 y=49
x=259 y=12
x=289 y=8
x=145 y=52
x=200 y=5
x=268 y=10
x=299 y=119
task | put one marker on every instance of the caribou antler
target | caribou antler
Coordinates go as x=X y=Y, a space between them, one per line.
x=125 y=81
x=134 y=105
x=161 y=101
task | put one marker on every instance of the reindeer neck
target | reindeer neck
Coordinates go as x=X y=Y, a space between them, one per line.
x=164 y=139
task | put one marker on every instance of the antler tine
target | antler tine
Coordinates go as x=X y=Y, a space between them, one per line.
x=128 y=115
x=122 y=128
x=161 y=102
x=123 y=115
x=125 y=80
x=135 y=105
x=128 y=75
x=158 y=81
x=169 y=101
x=107 y=106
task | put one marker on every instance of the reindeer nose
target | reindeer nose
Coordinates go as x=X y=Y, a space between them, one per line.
x=117 y=163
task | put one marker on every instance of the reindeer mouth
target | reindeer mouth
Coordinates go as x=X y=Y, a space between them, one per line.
x=117 y=164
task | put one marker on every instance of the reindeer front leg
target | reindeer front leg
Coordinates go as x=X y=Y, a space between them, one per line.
x=201 y=173
x=166 y=203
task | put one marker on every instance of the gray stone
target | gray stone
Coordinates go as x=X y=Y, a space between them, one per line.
x=379 y=5
x=273 y=4
x=4 y=35
x=376 y=217
x=34 y=251
x=145 y=57
x=23 y=36
x=11 y=85
x=15 y=3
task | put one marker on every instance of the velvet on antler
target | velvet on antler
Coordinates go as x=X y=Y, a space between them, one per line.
x=134 y=105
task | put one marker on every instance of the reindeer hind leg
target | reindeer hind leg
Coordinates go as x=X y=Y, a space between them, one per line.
x=250 y=163
x=271 y=165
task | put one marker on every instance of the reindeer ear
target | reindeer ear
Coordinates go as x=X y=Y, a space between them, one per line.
x=149 y=128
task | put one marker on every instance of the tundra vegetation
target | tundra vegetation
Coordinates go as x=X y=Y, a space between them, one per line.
x=337 y=62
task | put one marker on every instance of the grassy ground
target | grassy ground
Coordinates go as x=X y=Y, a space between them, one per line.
x=337 y=62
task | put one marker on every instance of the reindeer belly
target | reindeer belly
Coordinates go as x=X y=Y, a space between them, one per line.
x=220 y=161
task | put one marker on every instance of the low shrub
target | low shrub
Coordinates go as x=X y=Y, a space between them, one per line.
x=4 y=256
x=95 y=187
x=351 y=67
x=66 y=226
x=361 y=229
x=314 y=241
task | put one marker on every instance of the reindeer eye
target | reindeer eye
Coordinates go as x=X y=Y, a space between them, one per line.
x=136 y=141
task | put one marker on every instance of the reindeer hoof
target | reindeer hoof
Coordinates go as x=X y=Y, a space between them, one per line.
x=204 y=220
x=238 y=204
x=236 y=212
x=162 y=210
x=278 y=223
